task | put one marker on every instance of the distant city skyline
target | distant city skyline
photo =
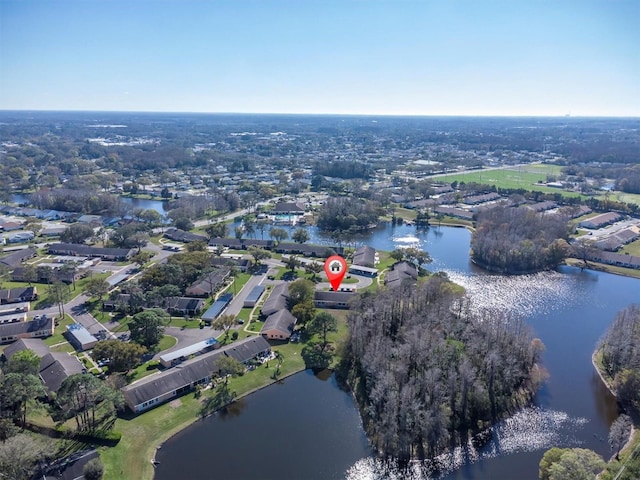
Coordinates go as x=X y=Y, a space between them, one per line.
x=375 y=57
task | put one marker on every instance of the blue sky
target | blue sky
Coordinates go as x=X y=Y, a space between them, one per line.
x=405 y=57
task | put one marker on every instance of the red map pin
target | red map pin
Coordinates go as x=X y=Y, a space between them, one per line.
x=335 y=267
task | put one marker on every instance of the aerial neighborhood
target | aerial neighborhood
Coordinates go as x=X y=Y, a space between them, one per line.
x=173 y=282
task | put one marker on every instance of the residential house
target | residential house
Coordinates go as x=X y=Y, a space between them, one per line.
x=288 y=208
x=15 y=259
x=54 y=367
x=279 y=325
x=209 y=283
x=112 y=254
x=158 y=388
x=364 y=256
x=600 y=220
x=18 y=295
x=277 y=300
x=178 y=235
x=333 y=299
x=184 y=305
x=402 y=273
x=10 y=332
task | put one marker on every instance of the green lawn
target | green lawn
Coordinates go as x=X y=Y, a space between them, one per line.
x=141 y=435
x=167 y=342
x=59 y=330
x=525 y=177
x=632 y=249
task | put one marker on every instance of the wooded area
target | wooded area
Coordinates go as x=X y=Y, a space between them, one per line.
x=427 y=373
x=519 y=240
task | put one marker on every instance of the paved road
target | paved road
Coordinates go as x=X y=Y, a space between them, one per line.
x=238 y=301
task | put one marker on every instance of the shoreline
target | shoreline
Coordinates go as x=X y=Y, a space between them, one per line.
x=166 y=437
x=629 y=442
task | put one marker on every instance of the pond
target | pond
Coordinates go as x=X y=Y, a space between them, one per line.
x=569 y=310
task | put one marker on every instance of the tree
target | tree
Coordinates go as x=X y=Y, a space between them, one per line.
x=322 y=324
x=60 y=294
x=217 y=230
x=238 y=232
x=259 y=254
x=619 y=433
x=23 y=362
x=19 y=456
x=225 y=367
x=93 y=470
x=313 y=269
x=142 y=257
x=300 y=236
x=292 y=262
x=121 y=356
x=80 y=395
x=224 y=323
x=97 y=287
x=147 y=329
x=8 y=429
x=570 y=464
x=197 y=246
x=398 y=254
x=77 y=233
x=300 y=291
x=303 y=311
x=30 y=273
x=17 y=390
x=278 y=234
x=583 y=250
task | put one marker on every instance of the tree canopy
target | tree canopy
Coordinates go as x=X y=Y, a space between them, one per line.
x=519 y=240
x=424 y=368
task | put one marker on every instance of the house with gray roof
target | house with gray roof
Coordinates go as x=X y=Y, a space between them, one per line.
x=401 y=273
x=364 y=256
x=15 y=259
x=18 y=295
x=89 y=251
x=333 y=299
x=54 y=367
x=277 y=300
x=279 y=325
x=10 y=332
x=161 y=387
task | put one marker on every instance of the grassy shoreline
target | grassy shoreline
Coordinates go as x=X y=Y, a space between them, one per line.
x=143 y=434
x=633 y=442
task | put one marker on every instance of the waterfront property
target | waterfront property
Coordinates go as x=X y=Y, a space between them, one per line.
x=333 y=299
x=402 y=273
x=151 y=391
x=617 y=259
x=175 y=357
x=364 y=256
x=279 y=325
x=10 y=332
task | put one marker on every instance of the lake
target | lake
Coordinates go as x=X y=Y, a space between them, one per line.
x=569 y=310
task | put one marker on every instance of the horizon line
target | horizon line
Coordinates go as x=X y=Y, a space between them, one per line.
x=325 y=114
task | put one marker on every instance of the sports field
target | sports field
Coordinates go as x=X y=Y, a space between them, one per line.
x=525 y=177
